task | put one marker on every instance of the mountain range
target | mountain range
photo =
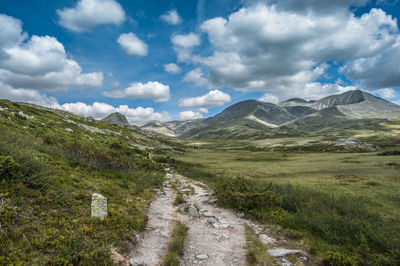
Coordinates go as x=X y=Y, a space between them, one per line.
x=252 y=119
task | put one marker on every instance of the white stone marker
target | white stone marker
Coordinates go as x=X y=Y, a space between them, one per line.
x=99 y=206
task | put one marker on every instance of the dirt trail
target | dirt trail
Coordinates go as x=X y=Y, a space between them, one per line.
x=154 y=242
x=216 y=236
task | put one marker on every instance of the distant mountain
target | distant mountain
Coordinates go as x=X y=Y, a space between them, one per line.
x=171 y=129
x=296 y=102
x=253 y=119
x=117 y=119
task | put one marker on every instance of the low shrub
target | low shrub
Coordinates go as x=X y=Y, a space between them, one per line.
x=8 y=168
x=247 y=195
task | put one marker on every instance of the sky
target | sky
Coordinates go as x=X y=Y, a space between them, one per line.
x=186 y=59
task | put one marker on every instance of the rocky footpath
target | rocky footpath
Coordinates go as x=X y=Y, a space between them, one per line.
x=216 y=236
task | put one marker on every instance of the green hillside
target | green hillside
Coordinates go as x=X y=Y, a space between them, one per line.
x=51 y=162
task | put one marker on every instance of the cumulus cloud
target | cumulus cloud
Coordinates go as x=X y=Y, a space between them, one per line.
x=171 y=17
x=387 y=93
x=39 y=62
x=379 y=71
x=96 y=110
x=99 y=110
x=132 y=45
x=275 y=45
x=212 y=98
x=187 y=115
x=186 y=41
x=197 y=77
x=183 y=45
x=269 y=98
x=11 y=32
x=27 y=96
x=151 y=90
x=88 y=14
x=172 y=68
x=203 y=110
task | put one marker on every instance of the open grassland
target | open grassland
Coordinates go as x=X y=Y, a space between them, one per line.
x=344 y=203
x=50 y=164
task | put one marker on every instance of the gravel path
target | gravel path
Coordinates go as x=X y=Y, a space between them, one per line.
x=216 y=236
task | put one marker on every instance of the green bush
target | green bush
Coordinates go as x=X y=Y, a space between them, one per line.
x=337 y=259
x=8 y=168
x=247 y=195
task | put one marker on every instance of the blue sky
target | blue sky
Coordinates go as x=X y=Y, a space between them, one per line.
x=70 y=54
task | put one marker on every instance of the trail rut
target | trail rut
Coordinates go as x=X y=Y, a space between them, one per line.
x=216 y=236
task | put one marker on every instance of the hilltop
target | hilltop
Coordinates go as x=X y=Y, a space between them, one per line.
x=253 y=119
x=51 y=162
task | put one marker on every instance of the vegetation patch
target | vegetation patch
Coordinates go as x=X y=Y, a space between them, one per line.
x=176 y=245
x=257 y=253
x=357 y=223
x=48 y=175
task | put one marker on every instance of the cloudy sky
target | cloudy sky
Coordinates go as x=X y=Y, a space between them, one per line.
x=185 y=59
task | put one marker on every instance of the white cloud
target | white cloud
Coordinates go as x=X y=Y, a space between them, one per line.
x=137 y=90
x=172 y=68
x=186 y=41
x=99 y=110
x=40 y=62
x=203 y=110
x=88 y=14
x=28 y=96
x=197 y=77
x=387 y=93
x=212 y=98
x=171 y=17
x=11 y=31
x=264 y=47
x=132 y=45
x=188 y=115
x=269 y=98
x=379 y=71
x=96 y=110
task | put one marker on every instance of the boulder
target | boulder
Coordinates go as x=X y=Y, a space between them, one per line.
x=136 y=262
x=99 y=206
x=281 y=252
x=192 y=210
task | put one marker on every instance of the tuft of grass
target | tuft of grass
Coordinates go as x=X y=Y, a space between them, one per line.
x=176 y=245
x=257 y=252
x=179 y=199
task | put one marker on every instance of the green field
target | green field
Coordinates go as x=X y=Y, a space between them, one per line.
x=51 y=162
x=345 y=204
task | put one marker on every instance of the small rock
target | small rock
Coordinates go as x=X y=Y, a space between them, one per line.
x=192 y=210
x=285 y=262
x=202 y=256
x=208 y=214
x=211 y=221
x=281 y=252
x=136 y=262
x=241 y=215
x=186 y=190
x=266 y=239
x=211 y=201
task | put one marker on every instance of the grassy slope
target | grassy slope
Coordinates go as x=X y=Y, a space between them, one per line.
x=345 y=202
x=50 y=165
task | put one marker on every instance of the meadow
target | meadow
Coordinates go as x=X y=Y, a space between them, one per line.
x=51 y=162
x=343 y=206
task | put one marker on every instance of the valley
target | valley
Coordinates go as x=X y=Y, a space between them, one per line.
x=321 y=185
